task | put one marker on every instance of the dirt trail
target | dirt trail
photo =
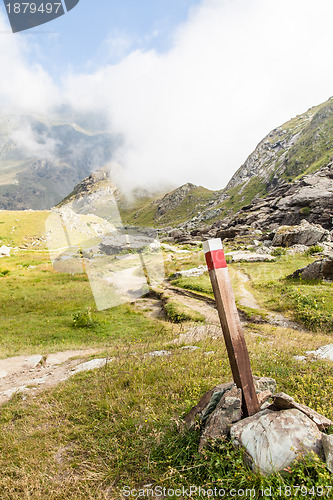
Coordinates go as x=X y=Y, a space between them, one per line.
x=201 y=305
x=34 y=373
x=206 y=306
x=31 y=373
x=247 y=299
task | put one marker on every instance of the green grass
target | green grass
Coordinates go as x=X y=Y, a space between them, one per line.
x=147 y=214
x=20 y=227
x=37 y=307
x=178 y=312
x=314 y=146
x=121 y=425
x=309 y=302
x=200 y=284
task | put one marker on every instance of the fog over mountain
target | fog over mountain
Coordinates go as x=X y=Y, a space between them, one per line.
x=234 y=71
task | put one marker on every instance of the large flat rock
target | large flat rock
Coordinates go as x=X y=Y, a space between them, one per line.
x=273 y=440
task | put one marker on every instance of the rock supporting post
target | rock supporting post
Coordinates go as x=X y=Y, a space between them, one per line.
x=231 y=325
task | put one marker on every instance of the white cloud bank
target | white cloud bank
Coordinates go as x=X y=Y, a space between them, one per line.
x=237 y=69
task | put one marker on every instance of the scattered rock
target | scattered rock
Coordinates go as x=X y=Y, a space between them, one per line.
x=324 y=352
x=225 y=414
x=90 y=365
x=297 y=249
x=318 y=270
x=300 y=358
x=33 y=361
x=273 y=440
x=158 y=353
x=195 y=271
x=283 y=401
x=262 y=384
x=10 y=392
x=207 y=403
x=190 y=347
x=3 y=374
x=232 y=232
x=328 y=450
x=37 y=381
x=212 y=398
x=174 y=249
x=247 y=256
x=5 y=251
x=303 y=234
x=263 y=397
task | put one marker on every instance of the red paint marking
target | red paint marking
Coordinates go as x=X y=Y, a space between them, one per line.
x=215 y=260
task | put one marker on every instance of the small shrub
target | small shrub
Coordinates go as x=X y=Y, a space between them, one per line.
x=5 y=272
x=314 y=249
x=279 y=251
x=83 y=319
x=177 y=312
x=305 y=210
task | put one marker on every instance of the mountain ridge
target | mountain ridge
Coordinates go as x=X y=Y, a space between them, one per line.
x=285 y=164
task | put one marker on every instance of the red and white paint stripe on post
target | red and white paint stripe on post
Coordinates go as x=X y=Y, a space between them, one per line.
x=231 y=325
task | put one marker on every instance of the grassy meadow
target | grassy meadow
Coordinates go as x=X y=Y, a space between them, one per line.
x=121 y=426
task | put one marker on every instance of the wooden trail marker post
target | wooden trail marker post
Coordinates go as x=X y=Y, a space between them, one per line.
x=231 y=325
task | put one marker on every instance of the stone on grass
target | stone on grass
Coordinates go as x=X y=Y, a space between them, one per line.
x=327 y=441
x=207 y=404
x=303 y=234
x=317 y=270
x=324 y=352
x=33 y=361
x=225 y=414
x=246 y=256
x=283 y=401
x=188 y=273
x=90 y=365
x=5 y=251
x=263 y=396
x=158 y=353
x=274 y=440
x=190 y=347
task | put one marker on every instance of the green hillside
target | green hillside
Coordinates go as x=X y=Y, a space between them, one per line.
x=22 y=228
x=169 y=210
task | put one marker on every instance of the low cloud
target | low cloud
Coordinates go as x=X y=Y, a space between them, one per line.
x=32 y=144
x=23 y=86
x=236 y=70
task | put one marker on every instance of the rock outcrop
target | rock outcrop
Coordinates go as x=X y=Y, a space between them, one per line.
x=302 y=234
x=317 y=270
x=274 y=440
x=310 y=198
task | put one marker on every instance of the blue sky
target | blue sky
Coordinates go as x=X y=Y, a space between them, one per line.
x=191 y=85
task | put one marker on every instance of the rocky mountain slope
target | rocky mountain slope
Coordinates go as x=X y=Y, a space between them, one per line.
x=42 y=160
x=287 y=178
x=310 y=198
